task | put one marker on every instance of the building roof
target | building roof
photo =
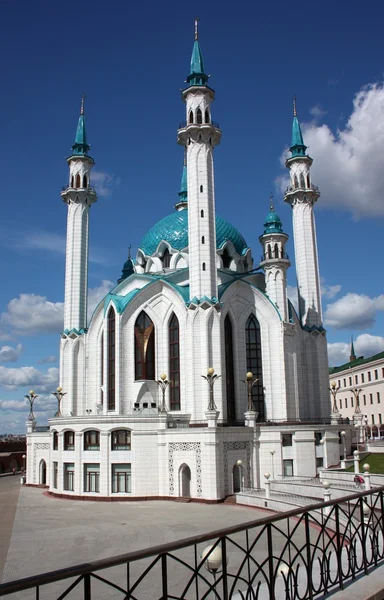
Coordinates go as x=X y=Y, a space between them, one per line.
x=173 y=229
x=356 y=363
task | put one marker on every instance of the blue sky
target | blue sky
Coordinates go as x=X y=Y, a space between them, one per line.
x=131 y=60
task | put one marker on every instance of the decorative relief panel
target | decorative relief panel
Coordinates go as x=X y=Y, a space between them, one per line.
x=236 y=446
x=185 y=446
x=39 y=446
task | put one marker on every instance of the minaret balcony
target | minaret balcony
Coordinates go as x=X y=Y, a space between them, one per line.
x=266 y=261
x=291 y=188
x=70 y=193
x=184 y=124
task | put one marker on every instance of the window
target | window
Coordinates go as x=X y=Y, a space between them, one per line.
x=254 y=363
x=69 y=477
x=378 y=397
x=121 y=440
x=91 y=440
x=376 y=374
x=318 y=438
x=269 y=251
x=77 y=180
x=111 y=359
x=369 y=376
x=69 y=440
x=229 y=370
x=203 y=240
x=344 y=382
x=121 y=478
x=373 y=419
x=92 y=477
x=319 y=462
x=174 y=363
x=203 y=266
x=356 y=379
x=341 y=403
x=362 y=378
x=302 y=181
x=201 y=213
x=55 y=474
x=380 y=418
x=55 y=439
x=191 y=117
x=350 y=380
x=276 y=251
x=352 y=401
x=166 y=260
x=226 y=259
x=346 y=402
x=371 y=398
x=199 y=116
x=207 y=116
x=286 y=439
x=288 y=467
x=201 y=189
x=364 y=400
x=84 y=181
x=144 y=347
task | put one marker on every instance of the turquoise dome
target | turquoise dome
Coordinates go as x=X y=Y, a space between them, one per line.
x=174 y=230
x=273 y=223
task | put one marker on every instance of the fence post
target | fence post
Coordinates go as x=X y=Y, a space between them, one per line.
x=164 y=576
x=339 y=547
x=309 y=557
x=87 y=586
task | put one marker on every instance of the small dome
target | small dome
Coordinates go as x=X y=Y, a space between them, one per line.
x=174 y=230
x=273 y=223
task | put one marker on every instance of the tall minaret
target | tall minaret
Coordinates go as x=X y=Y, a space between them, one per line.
x=302 y=196
x=199 y=136
x=275 y=261
x=78 y=196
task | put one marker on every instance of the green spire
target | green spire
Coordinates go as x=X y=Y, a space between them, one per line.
x=298 y=147
x=197 y=76
x=80 y=147
x=353 y=355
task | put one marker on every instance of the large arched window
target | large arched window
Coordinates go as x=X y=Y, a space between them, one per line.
x=77 y=180
x=230 y=377
x=254 y=363
x=174 y=363
x=144 y=347
x=199 y=117
x=166 y=259
x=111 y=359
x=225 y=257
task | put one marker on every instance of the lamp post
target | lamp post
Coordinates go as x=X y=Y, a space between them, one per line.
x=356 y=392
x=211 y=377
x=214 y=562
x=24 y=457
x=59 y=394
x=272 y=453
x=163 y=383
x=343 y=434
x=335 y=414
x=366 y=431
x=31 y=397
x=239 y=464
x=250 y=380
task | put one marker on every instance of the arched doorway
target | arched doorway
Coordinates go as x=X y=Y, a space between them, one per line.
x=237 y=476
x=43 y=472
x=185 y=481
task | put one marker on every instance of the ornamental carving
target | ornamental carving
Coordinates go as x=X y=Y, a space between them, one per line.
x=38 y=446
x=228 y=446
x=185 y=446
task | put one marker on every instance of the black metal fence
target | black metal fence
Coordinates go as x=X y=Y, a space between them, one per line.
x=302 y=554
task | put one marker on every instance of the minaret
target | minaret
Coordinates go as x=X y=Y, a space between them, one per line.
x=302 y=196
x=183 y=194
x=352 y=355
x=199 y=136
x=275 y=261
x=78 y=196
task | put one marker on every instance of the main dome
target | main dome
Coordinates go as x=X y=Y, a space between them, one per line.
x=174 y=229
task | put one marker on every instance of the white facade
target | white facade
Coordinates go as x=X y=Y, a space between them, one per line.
x=190 y=301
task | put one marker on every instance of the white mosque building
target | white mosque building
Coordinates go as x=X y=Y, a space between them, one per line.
x=195 y=375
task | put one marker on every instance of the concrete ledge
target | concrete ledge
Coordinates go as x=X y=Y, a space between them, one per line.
x=127 y=498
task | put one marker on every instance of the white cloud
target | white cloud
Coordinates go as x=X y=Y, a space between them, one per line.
x=96 y=294
x=365 y=345
x=47 y=359
x=12 y=378
x=353 y=311
x=317 y=112
x=9 y=354
x=292 y=296
x=348 y=164
x=329 y=291
x=104 y=183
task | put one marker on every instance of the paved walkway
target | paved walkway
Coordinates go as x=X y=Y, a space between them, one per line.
x=9 y=494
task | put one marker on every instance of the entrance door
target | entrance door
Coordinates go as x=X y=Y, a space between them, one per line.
x=236 y=474
x=43 y=472
x=185 y=481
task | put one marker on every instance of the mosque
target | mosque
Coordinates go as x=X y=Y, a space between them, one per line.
x=195 y=375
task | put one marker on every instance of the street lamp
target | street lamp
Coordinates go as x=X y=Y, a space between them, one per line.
x=366 y=430
x=272 y=453
x=334 y=389
x=356 y=392
x=250 y=380
x=59 y=394
x=343 y=434
x=211 y=377
x=214 y=562
x=239 y=464
x=31 y=397
x=23 y=457
x=163 y=383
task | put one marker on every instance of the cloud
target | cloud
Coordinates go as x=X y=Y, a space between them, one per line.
x=9 y=354
x=104 y=183
x=329 y=291
x=365 y=345
x=12 y=378
x=292 y=296
x=31 y=314
x=348 y=163
x=353 y=311
x=317 y=112
x=47 y=359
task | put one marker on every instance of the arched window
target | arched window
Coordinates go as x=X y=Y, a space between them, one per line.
x=69 y=440
x=276 y=251
x=230 y=377
x=121 y=439
x=201 y=189
x=166 y=260
x=308 y=181
x=191 y=117
x=111 y=358
x=226 y=259
x=203 y=266
x=55 y=440
x=92 y=440
x=295 y=182
x=199 y=117
x=85 y=184
x=102 y=369
x=72 y=181
x=203 y=240
x=144 y=347
x=254 y=363
x=174 y=363
x=302 y=181
x=77 y=180
x=269 y=251
x=201 y=213
x=207 y=116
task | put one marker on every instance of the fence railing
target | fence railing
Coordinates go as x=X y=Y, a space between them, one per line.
x=303 y=553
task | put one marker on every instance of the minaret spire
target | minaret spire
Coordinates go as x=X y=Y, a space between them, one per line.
x=294 y=106
x=82 y=104
x=196 y=28
x=352 y=356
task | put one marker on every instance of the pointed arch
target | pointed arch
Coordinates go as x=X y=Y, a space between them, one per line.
x=85 y=181
x=302 y=181
x=226 y=258
x=276 y=250
x=174 y=362
x=102 y=369
x=254 y=363
x=295 y=182
x=206 y=116
x=269 y=251
x=190 y=116
x=111 y=359
x=144 y=347
x=229 y=370
x=166 y=259
x=199 y=116
x=78 y=181
x=72 y=181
